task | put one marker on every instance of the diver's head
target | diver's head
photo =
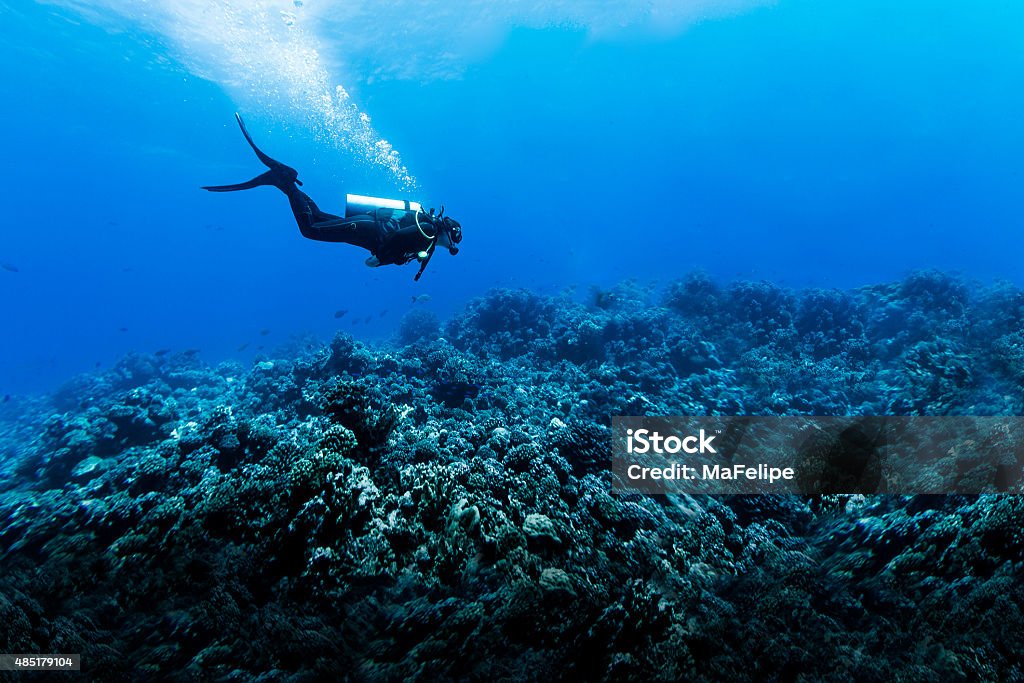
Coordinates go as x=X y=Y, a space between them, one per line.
x=451 y=229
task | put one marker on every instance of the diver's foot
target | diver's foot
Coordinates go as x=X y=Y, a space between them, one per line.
x=282 y=177
x=285 y=175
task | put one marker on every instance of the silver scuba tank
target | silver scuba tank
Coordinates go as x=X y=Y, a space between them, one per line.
x=357 y=204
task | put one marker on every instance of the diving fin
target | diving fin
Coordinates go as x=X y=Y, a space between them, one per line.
x=272 y=164
x=279 y=175
x=268 y=178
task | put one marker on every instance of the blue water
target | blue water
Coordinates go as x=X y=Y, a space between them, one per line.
x=828 y=144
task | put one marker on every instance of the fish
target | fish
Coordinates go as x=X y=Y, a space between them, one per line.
x=122 y=329
x=97 y=364
x=340 y=313
x=264 y=332
x=382 y=313
x=161 y=352
x=10 y=267
x=189 y=353
x=243 y=347
x=367 y=319
x=421 y=298
x=7 y=397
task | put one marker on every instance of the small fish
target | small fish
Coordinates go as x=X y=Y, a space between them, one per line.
x=264 y=332
x=367 y=319
x=97 y=364
x=355 y=321
x=260 y=347
x=10 y=267
x=243 y=347
x=7 y=397
x=340 y=313
x=122 y=329
x=189 y=353
x=382 y=313
x=161 y=352
x=420 y=298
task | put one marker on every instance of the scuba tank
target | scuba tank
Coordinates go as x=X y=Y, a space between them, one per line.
x=357 y=204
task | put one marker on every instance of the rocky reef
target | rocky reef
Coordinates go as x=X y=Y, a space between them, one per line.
x=439 y=508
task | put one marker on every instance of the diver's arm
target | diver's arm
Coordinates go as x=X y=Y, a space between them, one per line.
x=424 y=262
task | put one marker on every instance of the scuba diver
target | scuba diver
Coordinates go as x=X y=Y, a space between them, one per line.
x=394 y=231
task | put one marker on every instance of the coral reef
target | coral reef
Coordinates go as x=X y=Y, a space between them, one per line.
x=439 y=508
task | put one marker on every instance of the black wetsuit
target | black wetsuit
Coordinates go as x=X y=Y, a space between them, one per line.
x=393 y=241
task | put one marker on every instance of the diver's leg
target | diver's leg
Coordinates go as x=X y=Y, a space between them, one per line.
x=319 y=225
x=313 y=223
x=306 y=212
